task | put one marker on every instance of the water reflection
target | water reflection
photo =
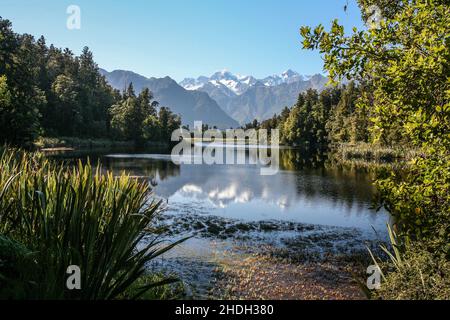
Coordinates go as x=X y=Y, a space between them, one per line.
x=304 y=190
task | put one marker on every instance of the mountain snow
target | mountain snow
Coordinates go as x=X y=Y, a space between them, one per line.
x=239 y=84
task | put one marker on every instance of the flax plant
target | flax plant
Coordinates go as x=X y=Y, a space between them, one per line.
x=75 y=216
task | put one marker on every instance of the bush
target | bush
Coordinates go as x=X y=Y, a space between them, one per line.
x=164 y=290
x=412 y=272
x=75 y=217
x=16 y=266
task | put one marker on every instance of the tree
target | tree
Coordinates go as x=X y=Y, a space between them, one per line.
x=147 y=106
x=135 y=118
x=65 y=117
x=305 y=126
x=340 y=125
x=127 y=119
x=169 y=123
x=20 y=117
x=406 y=64
x=152 y=129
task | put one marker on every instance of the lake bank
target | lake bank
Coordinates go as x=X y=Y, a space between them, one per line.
x=305 y=228
x=232 y=259
x=74 y=143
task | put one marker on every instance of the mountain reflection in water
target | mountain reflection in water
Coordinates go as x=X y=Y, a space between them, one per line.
x=304 y=190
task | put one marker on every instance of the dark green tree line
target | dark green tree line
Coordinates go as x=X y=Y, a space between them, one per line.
x=136 y=118
x=405 y=63
x=322 y=120
x=50 y=92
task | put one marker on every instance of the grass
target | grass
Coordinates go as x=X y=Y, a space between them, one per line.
x=72 y=142
x=411 y=272
x=52 y=217
x=366 y=155
x=167 y=291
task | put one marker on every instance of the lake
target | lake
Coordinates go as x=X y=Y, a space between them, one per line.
x=233 y=211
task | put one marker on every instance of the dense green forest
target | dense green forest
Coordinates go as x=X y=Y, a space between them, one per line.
x=401 y=100
x=391 y=88
x=404 y=64
x=50 y=92
x=320 y=120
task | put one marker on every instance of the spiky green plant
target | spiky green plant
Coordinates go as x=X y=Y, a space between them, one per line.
x=411 y=272
x=77 y=216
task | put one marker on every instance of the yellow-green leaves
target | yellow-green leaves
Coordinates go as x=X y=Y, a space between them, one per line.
x=77 y=217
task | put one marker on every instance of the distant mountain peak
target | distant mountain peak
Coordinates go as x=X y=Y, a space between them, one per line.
x=239 y=84
x=191 y=105
x=290 y=73
x=245 y=98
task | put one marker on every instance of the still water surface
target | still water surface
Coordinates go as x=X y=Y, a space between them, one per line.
x=309 y=207
x=305 y=190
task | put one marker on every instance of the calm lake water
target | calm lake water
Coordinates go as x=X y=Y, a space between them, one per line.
x=305 y=189
x=308 y=206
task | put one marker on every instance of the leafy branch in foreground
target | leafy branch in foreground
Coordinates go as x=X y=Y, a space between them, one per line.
x=405 y=65
x=58 y=217
x=412 y=272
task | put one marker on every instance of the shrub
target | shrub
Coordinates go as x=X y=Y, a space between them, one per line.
x=16 y=265
x=412 y=272
x=77 y=216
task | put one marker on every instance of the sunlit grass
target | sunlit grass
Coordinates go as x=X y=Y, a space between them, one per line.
x=74 y=216
x=366 y=155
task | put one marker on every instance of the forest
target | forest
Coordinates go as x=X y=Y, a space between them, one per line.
x=50 y=92
x=398 y=96
x=389 y=89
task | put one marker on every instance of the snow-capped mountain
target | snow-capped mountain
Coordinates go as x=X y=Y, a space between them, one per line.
x=245 y=98
x=240 y=84
x=236 y=83
x=194 y=84
x=288 y=77
x=224 y=99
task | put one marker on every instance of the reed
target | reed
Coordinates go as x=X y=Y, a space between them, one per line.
x=411 y=272
x=370 y=156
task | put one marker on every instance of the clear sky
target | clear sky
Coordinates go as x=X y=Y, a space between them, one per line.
x=185 y=38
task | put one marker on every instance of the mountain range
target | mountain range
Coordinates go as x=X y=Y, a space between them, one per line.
x=190 y=105
x=223 y=99
x=246 y=98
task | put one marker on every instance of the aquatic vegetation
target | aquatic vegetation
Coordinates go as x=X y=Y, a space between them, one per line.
x=52 y=217
x=412 y=272
x=368 y=156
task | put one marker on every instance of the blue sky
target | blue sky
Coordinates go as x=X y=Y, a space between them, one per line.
x=185 y=38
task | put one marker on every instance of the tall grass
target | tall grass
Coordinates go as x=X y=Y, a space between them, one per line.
x=411 y=272
x=74 y=216
x=371 y=157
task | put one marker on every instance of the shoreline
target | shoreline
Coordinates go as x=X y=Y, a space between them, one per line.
x=235 y=260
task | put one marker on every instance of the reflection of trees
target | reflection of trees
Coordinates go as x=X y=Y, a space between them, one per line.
x=318 y=177
x=303 y=179
x=151 y=168
x=297 y=159
x=159 y=169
